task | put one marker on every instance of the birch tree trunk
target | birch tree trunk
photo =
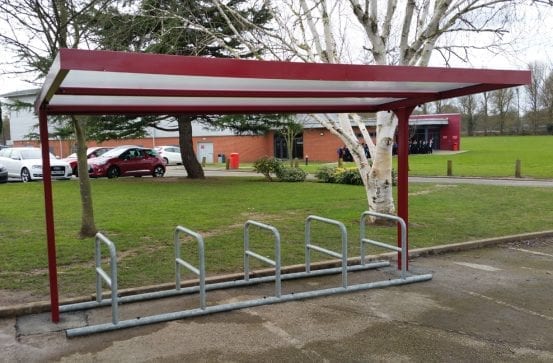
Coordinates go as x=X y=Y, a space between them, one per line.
x=379 y=181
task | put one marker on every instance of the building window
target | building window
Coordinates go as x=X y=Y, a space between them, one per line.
x=281 y=151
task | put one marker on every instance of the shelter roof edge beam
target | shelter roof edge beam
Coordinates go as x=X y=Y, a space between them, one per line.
x=206 y=109
x=267 y=93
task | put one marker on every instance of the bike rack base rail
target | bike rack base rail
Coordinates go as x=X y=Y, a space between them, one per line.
x=123 y=324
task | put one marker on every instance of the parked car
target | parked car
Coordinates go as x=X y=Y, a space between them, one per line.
x=91 y=152
x=171 y=154
x=3 y=174
x=127 y=161
x=25 y=163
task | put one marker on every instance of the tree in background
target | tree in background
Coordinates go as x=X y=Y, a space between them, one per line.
x=392 y=32
x=546 y=97
x=485 y=111
x=533 y=92
x=289 y=130
x=36 y=31
x=502 y=101
x=469 y=106
x=194 y=28
x=5 y=129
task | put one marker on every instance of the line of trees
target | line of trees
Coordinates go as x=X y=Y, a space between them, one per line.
x=523 y=111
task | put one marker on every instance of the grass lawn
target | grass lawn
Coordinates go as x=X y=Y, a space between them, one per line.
x=139 y=216
x=493 y=156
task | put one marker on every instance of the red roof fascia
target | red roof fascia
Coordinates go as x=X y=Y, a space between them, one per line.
x=111 y=61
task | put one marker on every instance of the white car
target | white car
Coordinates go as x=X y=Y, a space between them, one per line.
x=171 y=154
x=25 y=163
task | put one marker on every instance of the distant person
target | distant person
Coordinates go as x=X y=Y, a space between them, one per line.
x=347 y=154
x=366 y=149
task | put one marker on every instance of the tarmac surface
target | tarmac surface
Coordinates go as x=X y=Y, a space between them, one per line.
x=487 y=305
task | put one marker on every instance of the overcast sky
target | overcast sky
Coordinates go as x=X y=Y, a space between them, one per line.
x=532 y=40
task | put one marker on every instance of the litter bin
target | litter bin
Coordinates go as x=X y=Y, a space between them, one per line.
x=234 y=160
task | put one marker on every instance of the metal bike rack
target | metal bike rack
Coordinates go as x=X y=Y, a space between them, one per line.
x=204 y=309
x=309 y=246
x=111 y=280
x=200 y=272
x=249 y=253
x=403 y=234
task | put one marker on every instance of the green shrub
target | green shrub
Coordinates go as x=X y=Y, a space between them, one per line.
x=267 y=166
x=351 y=176
x=291 y=174
x=326 y=174
x=348 y=176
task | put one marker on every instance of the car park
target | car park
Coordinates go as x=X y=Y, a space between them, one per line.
x=3 y=174
x=25 y=163
x=91 y=152
x=171 y=154
x=127 y=161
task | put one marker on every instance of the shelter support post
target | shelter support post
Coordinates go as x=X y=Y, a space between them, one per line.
x=403 y=176
x=49 y=214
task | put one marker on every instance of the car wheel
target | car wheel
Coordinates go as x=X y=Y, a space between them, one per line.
x=158 y=171
x=113 y=172
x=166 y=161
x=25 y=175
x=75 y=171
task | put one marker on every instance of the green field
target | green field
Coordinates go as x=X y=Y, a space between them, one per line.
x=139 y=215
x=493 y=156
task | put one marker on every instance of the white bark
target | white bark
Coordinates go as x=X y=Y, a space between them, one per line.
x=380 y=178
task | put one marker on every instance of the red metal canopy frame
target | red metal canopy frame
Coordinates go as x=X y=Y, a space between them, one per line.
x=85 y=82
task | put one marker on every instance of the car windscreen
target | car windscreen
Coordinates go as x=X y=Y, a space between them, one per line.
x=113 y=153
x=33 y=154
x=100 y=152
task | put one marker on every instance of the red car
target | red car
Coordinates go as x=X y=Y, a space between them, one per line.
x=91 y=152
x=127 y=161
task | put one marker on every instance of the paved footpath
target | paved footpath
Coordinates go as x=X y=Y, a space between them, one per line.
x=490 y=304
x=178 y=171
x=512 y=182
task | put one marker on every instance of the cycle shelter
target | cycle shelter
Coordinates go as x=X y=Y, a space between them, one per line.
x=345 y=268
x=100 y=82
